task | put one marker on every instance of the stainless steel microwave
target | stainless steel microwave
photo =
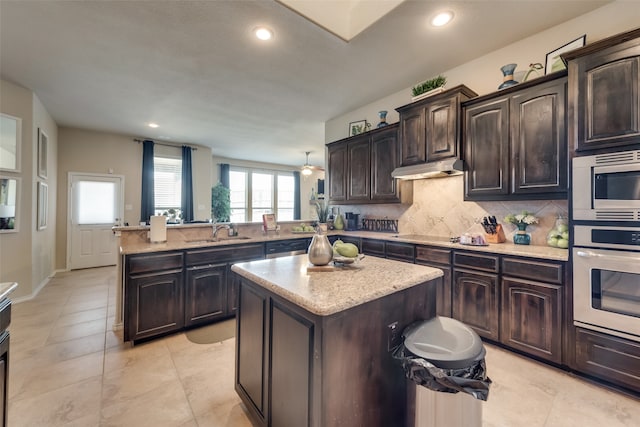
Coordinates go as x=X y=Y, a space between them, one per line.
x=606 y=187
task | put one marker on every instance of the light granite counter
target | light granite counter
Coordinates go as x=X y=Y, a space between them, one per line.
x=329 y=292
x=6 y=288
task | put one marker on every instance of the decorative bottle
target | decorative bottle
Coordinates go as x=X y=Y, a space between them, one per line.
x=383 y=119
x=522 y=237
x=507 y=73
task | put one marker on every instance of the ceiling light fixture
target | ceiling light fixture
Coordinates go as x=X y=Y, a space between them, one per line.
x=442 y=18
x=153 y=125
x=263 y=33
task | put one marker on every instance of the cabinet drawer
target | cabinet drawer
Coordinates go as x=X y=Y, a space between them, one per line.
x=373 y=247
x=222 y=254
x=155 y=262
x=427 y=254
x=287 y=246
x=534 y=270
x=400 y=251
x=476 y=261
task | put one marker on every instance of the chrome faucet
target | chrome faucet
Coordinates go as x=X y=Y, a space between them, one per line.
x=218 y=227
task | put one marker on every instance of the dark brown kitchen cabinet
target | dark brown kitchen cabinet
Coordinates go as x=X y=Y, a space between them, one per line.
x=205 y=293
x=400 y=251
x=337 y=172
x=604 y=93
x=476 y=295
x=515 y=142
x=5 y=320
x=430 y=128
x=438 y=258
x=153 y=295
x=359 y=168
x=613 y=359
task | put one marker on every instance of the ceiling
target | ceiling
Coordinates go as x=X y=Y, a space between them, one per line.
x=195 y=68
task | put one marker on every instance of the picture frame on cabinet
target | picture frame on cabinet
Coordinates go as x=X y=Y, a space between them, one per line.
x=43 y=205
x=356 y=128
x=554 y=62
x=43 y=143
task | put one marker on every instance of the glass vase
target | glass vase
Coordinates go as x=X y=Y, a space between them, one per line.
x=521 y=237
x=320 y=249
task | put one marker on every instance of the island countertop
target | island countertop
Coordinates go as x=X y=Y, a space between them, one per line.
x=328 y=292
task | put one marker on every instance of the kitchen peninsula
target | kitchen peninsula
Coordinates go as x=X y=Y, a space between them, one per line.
x=312 y=348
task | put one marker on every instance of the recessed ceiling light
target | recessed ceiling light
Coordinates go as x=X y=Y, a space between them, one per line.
x=153 y=125
x=263 y=33
x=442 y=18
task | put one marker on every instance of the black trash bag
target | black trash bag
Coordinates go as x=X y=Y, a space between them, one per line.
x=472 y=379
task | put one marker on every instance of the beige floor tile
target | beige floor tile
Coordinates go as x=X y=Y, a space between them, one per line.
x=73 y=405
x=231 y=415
x=58 y=352
x=81 y=317
x=83 y=306
x=70 y=332
x=165 y=405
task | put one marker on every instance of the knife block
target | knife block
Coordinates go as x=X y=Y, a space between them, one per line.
x=499 y=237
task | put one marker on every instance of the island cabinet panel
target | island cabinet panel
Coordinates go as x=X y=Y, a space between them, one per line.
x=251 y=351
x=604 y=93
x=291 y=367
x=205 y=293
x=532 y=318
x=613 y=359
x=296 y=368
x=438 y=258
x=154 y=295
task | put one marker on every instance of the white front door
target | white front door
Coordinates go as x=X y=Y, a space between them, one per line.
x=95 y=205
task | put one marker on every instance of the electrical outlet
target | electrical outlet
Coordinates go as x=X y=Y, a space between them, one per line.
x=394 y=337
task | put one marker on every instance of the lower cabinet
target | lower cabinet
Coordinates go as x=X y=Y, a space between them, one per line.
x=205 y=294
x=153 y=295
x=438 y=258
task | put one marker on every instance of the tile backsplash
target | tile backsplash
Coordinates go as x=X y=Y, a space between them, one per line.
x=438 y=209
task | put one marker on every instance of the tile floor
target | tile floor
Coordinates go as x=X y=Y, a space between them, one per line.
x=68 y=368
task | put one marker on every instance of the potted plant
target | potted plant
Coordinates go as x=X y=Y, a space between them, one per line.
x=220 y=203
x=429 y=87
x=322 y=210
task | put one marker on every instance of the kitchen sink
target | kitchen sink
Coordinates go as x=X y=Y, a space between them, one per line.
x=218 y=239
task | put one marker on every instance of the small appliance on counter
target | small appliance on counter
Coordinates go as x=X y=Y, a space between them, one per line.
x=351 y=221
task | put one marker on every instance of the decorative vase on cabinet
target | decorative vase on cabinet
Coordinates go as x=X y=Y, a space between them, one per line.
x=383 y=119
x=522 y=237
x=507 y=73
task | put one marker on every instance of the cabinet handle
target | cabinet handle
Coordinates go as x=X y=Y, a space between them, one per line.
x=589 y=254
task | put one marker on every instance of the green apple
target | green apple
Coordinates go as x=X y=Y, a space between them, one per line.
x=563 y=243
x=552 y=241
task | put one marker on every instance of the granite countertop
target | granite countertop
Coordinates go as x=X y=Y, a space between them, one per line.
x=328 y=292
x=6 y=288
x=533 y=251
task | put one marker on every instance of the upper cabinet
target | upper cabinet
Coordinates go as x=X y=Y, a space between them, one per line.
x=359 y=168
x=430 y=128
x=515 y=144
x=604 y=93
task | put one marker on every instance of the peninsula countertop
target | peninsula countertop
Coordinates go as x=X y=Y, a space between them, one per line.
x=328 y=292
x=6 y=288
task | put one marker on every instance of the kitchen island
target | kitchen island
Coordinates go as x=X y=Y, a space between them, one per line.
x=312 y=348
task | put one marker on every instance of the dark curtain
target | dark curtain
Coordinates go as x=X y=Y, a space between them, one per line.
x=147 y=205
x=187 y=185
x=224 y=174
x=296 y=195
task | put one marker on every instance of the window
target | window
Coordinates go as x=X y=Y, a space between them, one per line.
x=257 y=192
x=167 y=175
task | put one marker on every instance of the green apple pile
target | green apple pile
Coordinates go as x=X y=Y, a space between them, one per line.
x=348 y=250
x=303 y=227
x=558 y=237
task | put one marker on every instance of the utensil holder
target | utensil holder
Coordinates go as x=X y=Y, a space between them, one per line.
x=499 y=237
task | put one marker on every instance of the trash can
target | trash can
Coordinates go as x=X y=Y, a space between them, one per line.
x=444 y=359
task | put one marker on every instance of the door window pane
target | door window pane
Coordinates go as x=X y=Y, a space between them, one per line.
x=96 y=202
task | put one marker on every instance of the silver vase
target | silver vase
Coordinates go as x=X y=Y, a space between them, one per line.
x=320 y=250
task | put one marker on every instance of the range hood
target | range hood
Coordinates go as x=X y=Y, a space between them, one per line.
x=447 y=167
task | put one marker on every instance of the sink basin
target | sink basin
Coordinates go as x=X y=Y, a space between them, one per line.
x=225 y=238
x=217 y=239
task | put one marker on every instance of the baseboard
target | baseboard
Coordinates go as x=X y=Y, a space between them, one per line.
x=41 y=286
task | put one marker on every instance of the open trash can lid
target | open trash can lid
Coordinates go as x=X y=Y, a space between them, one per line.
x=445 y=342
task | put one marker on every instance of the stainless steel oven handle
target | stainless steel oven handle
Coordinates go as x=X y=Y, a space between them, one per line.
x=584 y=254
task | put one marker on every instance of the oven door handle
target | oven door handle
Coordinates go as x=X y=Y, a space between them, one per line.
x=588 y=254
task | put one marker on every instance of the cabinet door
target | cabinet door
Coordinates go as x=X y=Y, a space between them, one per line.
x=384 y=159
x=487 y=149
x=205 y=294
x=442 y=129
x=532 y=318
x=443 y=290
x=412 y=136
x=251 y=351
x=476 y=301
x=155 y=304
x=336 y=172
x=539 y=139
x=359 y=169
x=290 y=368
x=608 y=97
x=4 y=377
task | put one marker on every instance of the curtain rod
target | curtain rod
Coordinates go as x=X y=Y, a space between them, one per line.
x=165 y=143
